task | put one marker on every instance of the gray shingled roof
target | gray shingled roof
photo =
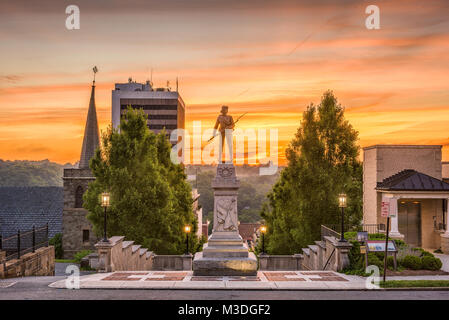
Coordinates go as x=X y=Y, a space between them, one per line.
x=23 y=207
x=411 y=180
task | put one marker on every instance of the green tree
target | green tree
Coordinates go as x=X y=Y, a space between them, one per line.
x=151 y=199
x=322 y=162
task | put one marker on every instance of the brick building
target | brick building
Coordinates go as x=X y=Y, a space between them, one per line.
x=411 y=178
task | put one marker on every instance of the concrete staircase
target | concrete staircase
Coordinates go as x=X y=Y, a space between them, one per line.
x=125 y=255
x=329 y=251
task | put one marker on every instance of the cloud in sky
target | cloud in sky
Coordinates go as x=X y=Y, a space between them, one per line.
x=271 y=58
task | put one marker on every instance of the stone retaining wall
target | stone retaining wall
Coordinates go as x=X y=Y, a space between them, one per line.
x=39 y=263
x=173 y=262
x=281 y=262
x=315 y=257
x=120 y=255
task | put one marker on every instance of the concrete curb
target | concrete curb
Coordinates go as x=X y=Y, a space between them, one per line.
x=266 y=289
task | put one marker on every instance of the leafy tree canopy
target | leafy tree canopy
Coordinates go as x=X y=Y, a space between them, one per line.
x=151 y=199
x=322 y=162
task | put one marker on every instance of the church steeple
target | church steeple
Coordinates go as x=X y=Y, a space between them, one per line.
x=91 y=139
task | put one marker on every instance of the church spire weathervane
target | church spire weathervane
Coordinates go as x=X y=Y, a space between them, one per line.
x=95 y=70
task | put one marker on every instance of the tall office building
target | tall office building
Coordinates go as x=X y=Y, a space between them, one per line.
x=165 y=108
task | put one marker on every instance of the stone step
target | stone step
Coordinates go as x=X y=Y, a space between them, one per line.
x=225 y=243
x=225 y=251
x=306 y=251
x=126 y=244
x=313 y=247
x=135 y=248
x=204 y=266
x=225 y=235
x=142 y=251
x=321 y=244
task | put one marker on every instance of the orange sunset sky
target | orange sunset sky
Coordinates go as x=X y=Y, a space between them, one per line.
x=268 y=58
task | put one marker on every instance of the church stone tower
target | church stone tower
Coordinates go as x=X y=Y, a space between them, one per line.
x=77 y=231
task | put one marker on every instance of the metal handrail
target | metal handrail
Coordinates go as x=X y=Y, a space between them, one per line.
x=329 y=259
x=335 y=230
x=29 y=244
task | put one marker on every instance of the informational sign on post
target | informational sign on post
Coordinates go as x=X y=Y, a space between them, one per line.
x=379 y=246
x=362 y=236
x=385 y=209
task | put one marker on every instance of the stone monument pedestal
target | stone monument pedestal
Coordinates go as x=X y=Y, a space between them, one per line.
x=225 y=254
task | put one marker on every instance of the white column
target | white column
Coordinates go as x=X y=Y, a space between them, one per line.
x=446 y=234
x=394 y=226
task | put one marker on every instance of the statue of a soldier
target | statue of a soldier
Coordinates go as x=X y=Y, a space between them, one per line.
x=225 y=125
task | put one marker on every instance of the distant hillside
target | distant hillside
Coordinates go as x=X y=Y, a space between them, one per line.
x=21 y=173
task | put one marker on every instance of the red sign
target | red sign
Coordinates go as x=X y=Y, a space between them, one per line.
x=385 y=211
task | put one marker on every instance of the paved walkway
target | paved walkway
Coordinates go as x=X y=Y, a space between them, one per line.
x=444 y=259
x=37 y=288
x=265 y=280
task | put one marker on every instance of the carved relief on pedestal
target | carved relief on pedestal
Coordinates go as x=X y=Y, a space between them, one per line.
x=226 y=171
x=226 y=214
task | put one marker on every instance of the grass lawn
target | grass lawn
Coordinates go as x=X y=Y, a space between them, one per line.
x=65 y=261
x=414 y=283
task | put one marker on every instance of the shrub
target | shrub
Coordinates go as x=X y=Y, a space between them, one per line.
x=380 y=255
x=56 y=241
x=356 y=260
x=373 y=259
x=422 y=253
x=431 y=263
x=351 y=235
x=400 y=243
x=80 y=255
x=390 y=262
x=376 y=236
x=412 y=262
x=427 y=254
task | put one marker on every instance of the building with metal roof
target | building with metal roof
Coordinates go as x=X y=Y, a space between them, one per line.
x=407 y=183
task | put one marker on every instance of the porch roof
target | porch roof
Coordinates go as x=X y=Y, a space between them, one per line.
x=411 y=180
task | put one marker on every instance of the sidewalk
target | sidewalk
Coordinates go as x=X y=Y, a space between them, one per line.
x=265 y=280
x=444 y=259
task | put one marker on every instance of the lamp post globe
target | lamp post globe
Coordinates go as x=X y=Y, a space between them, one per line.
x=342 y=202
x=263 y=230
x=187 y=230
x=105 y=203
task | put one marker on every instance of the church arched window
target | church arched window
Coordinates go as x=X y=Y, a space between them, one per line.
x=79 y=197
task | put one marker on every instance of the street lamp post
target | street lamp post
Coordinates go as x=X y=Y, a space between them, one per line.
x=105 y=203
x=342 y=204
x=263 y=230
x=187 y=231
